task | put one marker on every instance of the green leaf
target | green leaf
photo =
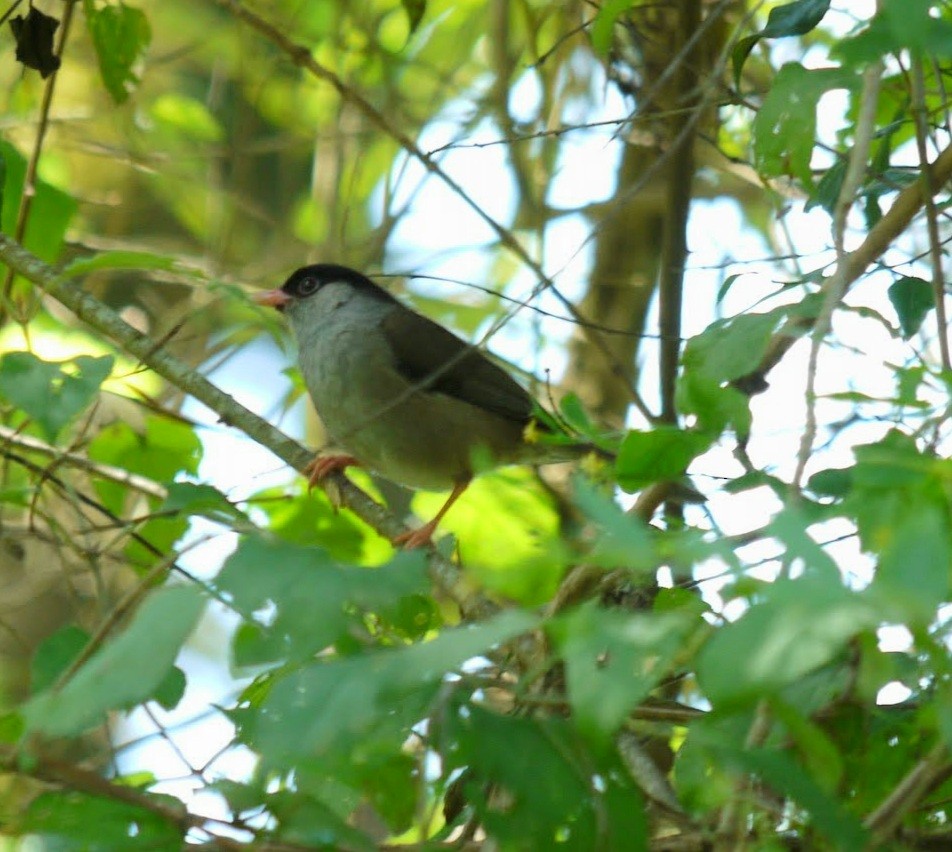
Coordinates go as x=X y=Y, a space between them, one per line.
x=134 y=260
x=784 y=129
x=715 y=405
x=660 y=455
x=799 y=626
x=167 y=447
x=121 y=35
x=51 y=210
x=96 y=824
x=604 y=23
x=55 y=655
x=827 y=191
x=723 y=289
x=613 y=660
x=912 y=578
x=48 y=393
x=730 y=348
x=782 y=773
x=742 y=49
x=912 y=298
x=170 y=691
x=11 y=727
x=623 y=540
x=898 y=25
x=124 y=672
x=819 y=751
x=796 y=18
x=314 y=599
x=309 y=822
x=552 y=803
x=204 y=500
x=834 y=482
x=348 y=705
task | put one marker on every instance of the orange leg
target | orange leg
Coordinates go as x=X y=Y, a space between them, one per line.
x=323 y=466
x=422 y=536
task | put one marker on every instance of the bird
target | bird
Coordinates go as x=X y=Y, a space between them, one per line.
x=403 y=396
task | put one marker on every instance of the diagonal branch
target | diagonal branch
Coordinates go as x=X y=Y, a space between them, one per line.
x=907 y=205
x=101 y=317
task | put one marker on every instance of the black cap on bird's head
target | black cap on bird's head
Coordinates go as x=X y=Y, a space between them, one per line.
x=308 y=280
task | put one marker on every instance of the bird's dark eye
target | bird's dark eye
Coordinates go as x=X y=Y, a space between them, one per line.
x=307 y=286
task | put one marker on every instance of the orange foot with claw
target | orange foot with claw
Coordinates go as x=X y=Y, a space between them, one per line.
x=324 y=466
x=424 y=535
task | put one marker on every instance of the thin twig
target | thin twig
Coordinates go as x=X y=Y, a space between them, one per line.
x=836 y=285
x=932 y=219
x=118 y=475
x=907 y=793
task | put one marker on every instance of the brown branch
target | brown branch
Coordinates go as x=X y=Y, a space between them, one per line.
x=674 y=249
x=908 y=793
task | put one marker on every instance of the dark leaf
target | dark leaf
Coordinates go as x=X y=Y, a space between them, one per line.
x=34 y=38
x=796 y=18
x=912 y=298
x=415 y=10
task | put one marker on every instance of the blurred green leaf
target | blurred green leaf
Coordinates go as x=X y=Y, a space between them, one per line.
x=731 y=348
x=552 y=803
x=798 y=626
x=347 y=706
x=415 y=10
x=121 y=36
x=171 y=690
x=118 y=260
x=310 y=600
x=660 y=455
x=604 y=24
x=54 y=656
x=52 y=393
x=165 y=448
x=186 y=116
x=126 y=670
x=912 y=578
x=784 y=128
x=898 y=25
x=614 y=659
x=307 y=821
x=73 y=820
x=621 y=540
x=783 y=773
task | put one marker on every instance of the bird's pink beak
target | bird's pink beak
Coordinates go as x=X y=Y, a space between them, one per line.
x=272 y=298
